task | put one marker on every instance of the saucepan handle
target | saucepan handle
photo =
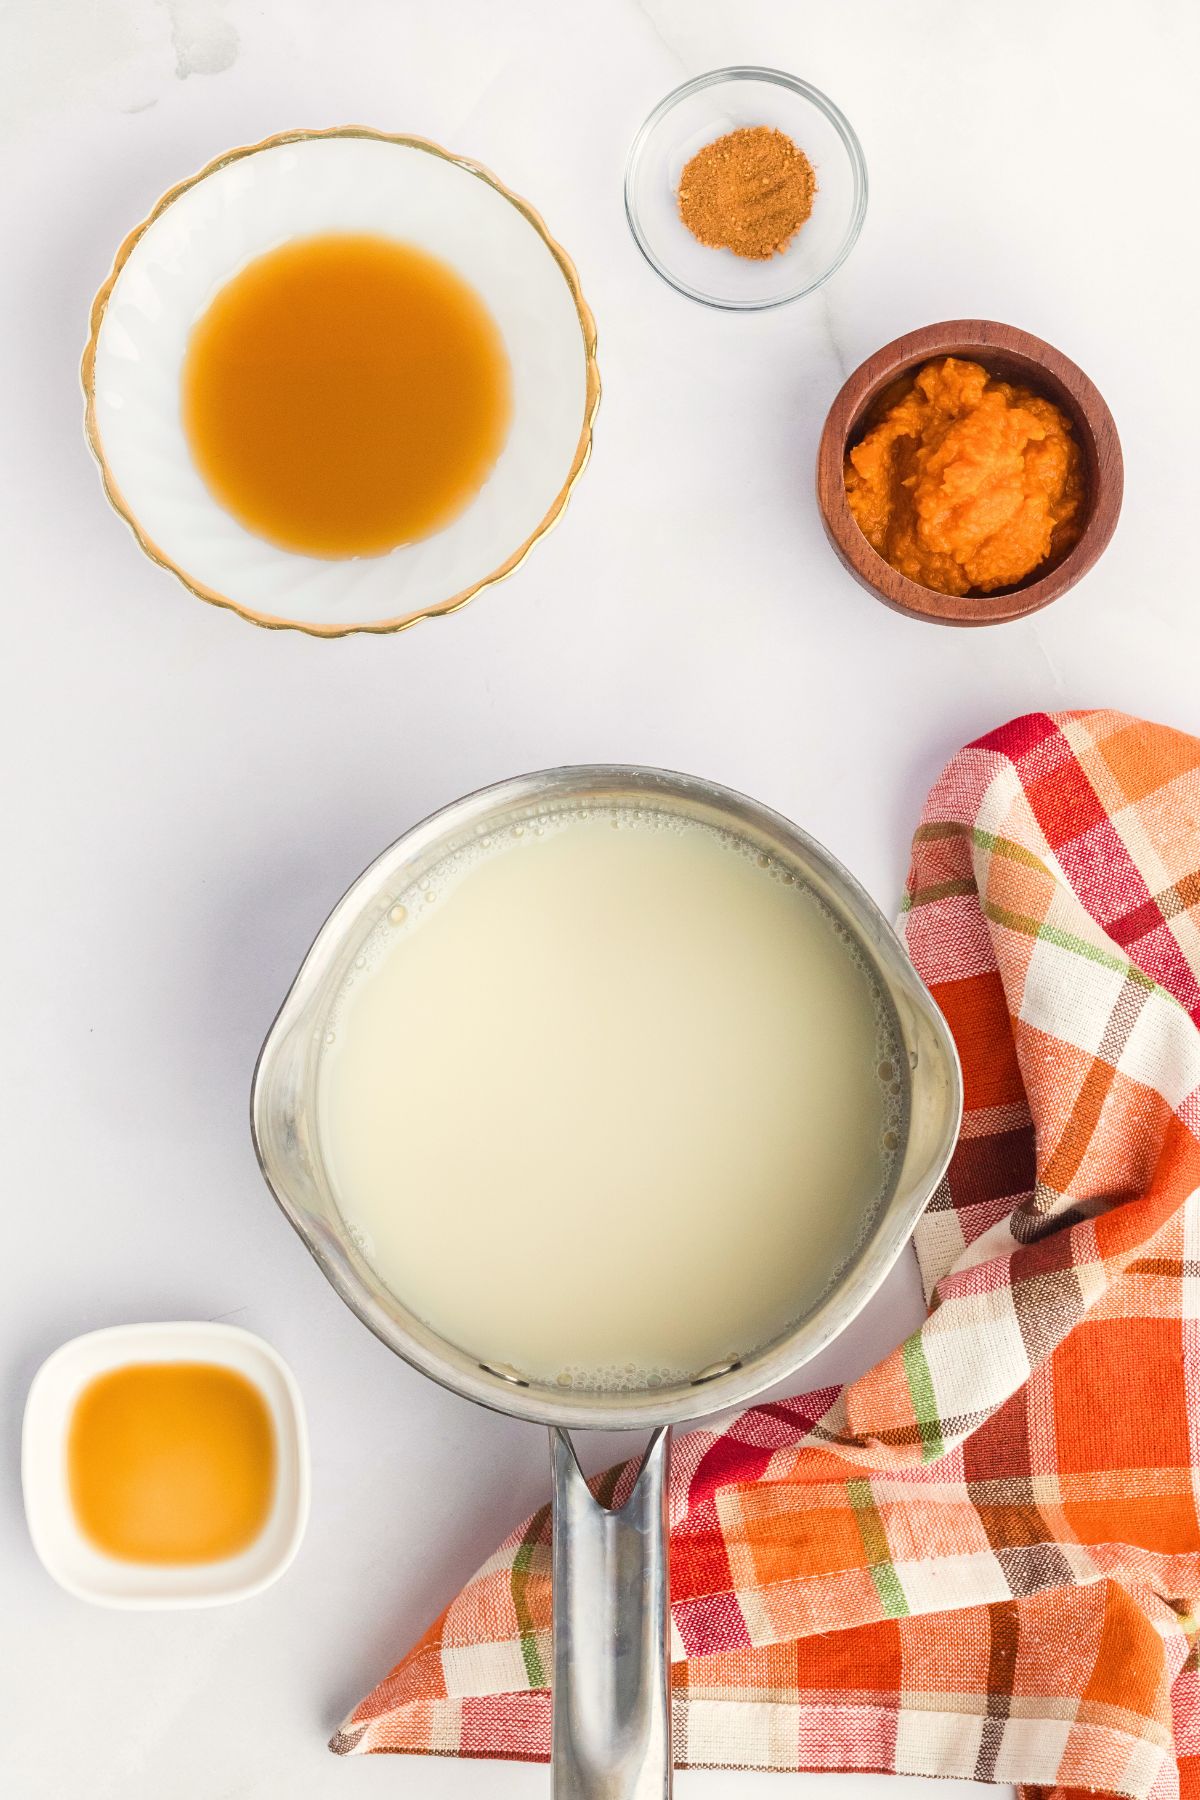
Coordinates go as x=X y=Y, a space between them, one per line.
x=612 y=1698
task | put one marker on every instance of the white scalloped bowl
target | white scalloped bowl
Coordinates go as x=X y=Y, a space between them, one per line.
x=250 y=201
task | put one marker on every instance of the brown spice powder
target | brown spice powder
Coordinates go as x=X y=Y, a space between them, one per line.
x=749 y=191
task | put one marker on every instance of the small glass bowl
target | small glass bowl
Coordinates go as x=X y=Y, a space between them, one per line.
x=706 y=108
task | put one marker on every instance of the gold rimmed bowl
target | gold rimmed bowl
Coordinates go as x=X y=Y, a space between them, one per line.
x=302 y=184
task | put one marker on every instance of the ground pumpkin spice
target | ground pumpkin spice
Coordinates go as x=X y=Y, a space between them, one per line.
x=749 y=191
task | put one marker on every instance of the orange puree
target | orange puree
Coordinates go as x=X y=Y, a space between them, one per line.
x=966 y=484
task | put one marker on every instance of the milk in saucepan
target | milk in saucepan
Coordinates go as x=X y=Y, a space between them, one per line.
x=609 y=1097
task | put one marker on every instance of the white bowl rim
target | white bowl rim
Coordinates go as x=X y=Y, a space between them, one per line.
x=131 y=1341
x=437 y=609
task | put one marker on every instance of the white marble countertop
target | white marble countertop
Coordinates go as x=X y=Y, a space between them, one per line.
x=185 y=796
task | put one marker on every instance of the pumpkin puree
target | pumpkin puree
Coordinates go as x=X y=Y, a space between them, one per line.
x=966 y=484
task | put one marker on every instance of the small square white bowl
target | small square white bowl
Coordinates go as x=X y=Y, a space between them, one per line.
x=74 y=1562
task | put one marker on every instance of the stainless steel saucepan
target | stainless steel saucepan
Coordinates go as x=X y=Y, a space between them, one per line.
x=612 y=1720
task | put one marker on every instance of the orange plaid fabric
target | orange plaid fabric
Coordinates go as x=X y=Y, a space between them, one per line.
x=982 y=1559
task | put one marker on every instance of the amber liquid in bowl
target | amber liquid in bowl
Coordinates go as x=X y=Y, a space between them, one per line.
x=345 y=394
x=171 y=1462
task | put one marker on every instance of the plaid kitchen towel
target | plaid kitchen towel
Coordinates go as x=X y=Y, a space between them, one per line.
x=982 y=1559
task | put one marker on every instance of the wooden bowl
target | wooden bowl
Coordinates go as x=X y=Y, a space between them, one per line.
x=1011 y=355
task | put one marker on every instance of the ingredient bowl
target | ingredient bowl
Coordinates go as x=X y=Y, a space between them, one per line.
x=705 y=109
x=70 y=1557
x=1011 y=355
x=301 y=185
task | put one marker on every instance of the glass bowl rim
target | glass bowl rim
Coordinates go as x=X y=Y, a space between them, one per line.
x=806 y=91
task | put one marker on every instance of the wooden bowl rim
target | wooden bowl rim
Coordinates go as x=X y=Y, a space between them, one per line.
x=977 y=339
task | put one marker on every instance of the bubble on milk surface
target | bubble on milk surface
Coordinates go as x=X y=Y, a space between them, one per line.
x=614 y=1378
